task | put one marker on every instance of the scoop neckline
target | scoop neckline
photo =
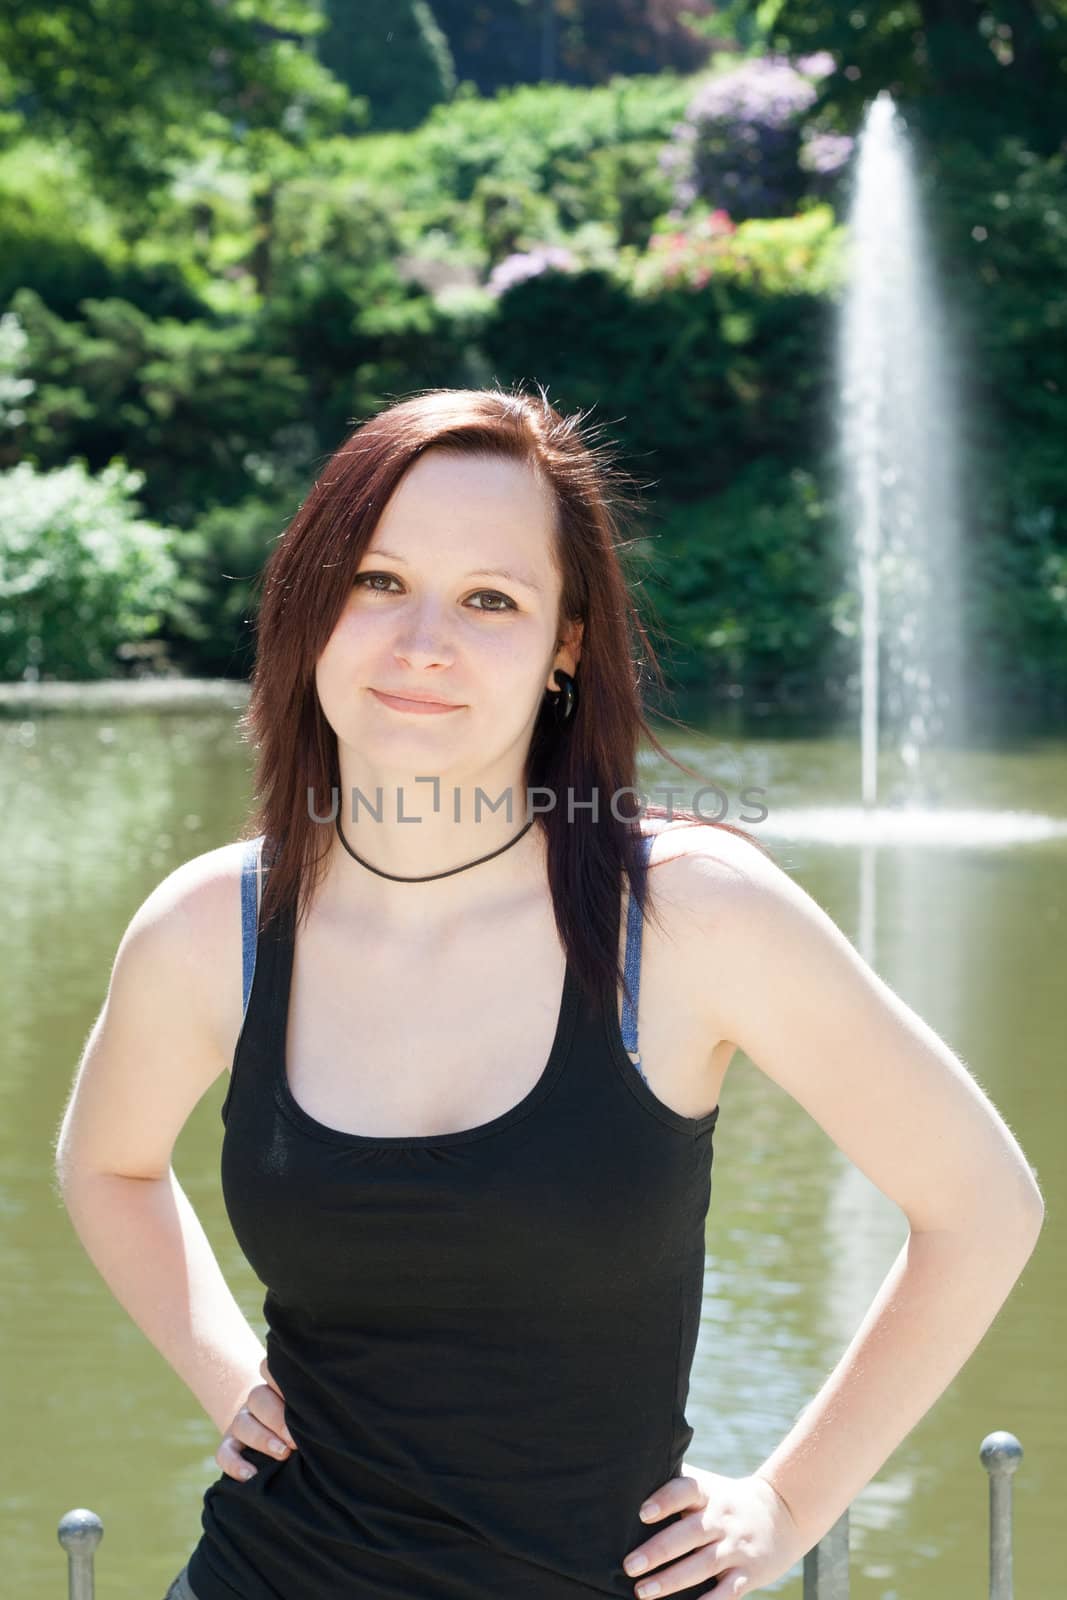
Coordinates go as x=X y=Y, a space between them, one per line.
x=291 y=1107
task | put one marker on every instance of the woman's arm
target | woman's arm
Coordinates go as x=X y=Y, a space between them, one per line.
x=789 y=988
x=154 y=1050
x=145 y=1240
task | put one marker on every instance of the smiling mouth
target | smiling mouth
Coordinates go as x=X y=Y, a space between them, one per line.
x=412 y=703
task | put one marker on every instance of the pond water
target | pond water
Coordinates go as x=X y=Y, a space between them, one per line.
x=972 y=934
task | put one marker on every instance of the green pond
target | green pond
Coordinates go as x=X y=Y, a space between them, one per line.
x=969 y=927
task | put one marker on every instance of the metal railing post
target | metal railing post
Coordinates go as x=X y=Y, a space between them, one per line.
x=80 y=1532
x=1001 y=1453
x=826 y=1564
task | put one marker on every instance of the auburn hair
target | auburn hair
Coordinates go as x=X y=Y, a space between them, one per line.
x=306 y=582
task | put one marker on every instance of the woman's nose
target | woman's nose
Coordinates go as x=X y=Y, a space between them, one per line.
x=423 y=636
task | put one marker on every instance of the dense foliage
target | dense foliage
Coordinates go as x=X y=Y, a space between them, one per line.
x=229 y=234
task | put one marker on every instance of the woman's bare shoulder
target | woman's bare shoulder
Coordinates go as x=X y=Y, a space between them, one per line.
x=709 y=883
x=199 y=894
x=168 y=1024
x=707 y=851
x=197 y=906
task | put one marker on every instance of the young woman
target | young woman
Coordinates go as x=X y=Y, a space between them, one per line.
x=477 y=1207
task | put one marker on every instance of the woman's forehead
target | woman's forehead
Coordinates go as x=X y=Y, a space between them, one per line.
x=493 y=513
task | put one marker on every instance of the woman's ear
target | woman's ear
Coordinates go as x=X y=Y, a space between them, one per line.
x=569 y=648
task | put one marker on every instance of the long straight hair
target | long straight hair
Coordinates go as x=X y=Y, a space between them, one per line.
x=591 y=756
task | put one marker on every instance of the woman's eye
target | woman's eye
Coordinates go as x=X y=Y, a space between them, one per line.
x=367 y=580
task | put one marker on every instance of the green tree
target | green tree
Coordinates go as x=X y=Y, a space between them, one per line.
x=189 y=404
x=603 y=38
x=135 y=85
x=503 y=42
x=390 y=51
x=990 y=67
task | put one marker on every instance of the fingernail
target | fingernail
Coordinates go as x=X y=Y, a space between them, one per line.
x=248 y=1472
x=277 y=1448
x=649 y=1589
x=650 y=1509
x=635 y=1563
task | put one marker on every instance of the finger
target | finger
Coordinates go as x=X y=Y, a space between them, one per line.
x=229 y=1457
x=248 y=1428
x=267 y=1406
x=677 y=1494
x=677 y=1540
x=696 y=1568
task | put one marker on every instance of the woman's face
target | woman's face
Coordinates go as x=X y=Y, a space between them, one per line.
x=431 y=613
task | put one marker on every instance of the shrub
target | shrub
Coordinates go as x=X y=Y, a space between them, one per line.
x=743 y=145
x=776 y=255
x=693 y=383
x=81 y=572
x=746 y=584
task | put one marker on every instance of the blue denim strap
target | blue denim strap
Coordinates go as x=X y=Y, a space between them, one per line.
x=632 y=963
x=249 y=913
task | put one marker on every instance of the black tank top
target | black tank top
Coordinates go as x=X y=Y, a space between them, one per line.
x=484 y=1338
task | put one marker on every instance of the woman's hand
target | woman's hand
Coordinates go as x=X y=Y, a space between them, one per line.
x=260 y=1423
x=740 y=1531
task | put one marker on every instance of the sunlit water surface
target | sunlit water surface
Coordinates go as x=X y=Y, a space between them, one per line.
x=962 y=913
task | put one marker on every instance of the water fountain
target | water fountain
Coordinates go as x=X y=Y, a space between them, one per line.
x=898 y=460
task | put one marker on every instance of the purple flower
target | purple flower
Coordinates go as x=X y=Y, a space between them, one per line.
x=767 y=90
x=816 y=65
x=825 y=152
x=740 y=142
x=523 y=264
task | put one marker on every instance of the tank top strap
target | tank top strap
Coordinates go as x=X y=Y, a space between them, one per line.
x=632 y=962
x=250 y=897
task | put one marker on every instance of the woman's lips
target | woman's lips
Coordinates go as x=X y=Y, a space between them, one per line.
x=420 y=708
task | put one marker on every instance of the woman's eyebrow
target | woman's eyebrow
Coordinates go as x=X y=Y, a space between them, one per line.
x=479 y=572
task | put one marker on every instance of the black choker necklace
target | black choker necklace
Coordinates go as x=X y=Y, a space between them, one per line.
x=427 y=877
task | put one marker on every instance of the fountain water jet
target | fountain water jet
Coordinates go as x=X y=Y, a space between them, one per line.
x=899 y=464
